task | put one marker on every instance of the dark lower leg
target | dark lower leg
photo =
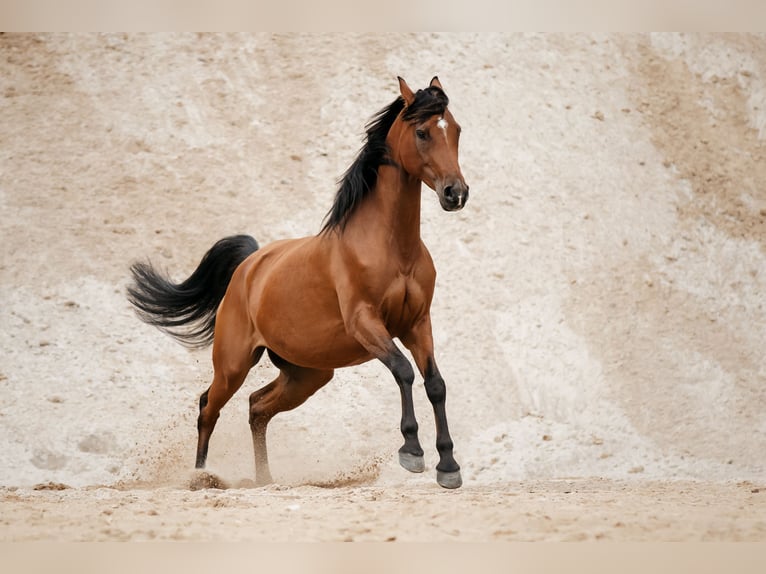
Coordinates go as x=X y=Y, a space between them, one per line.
x=203 y=440
x=205 y=426
x=210 y=404
x=444 y=445
x=437 y=391
x=411 y=453
x=409 y=424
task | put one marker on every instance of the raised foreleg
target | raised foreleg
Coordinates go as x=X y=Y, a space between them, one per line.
x=372 y=334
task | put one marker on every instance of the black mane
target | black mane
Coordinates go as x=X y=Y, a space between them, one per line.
x=361 y=176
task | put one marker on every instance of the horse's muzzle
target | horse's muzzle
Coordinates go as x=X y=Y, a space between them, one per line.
x=453 y=197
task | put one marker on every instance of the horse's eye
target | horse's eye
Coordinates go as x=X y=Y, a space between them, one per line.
x=421 y=134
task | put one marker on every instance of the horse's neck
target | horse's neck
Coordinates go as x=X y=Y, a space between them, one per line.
x=389 y=218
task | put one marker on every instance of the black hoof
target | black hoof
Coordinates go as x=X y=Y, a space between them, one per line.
x=449 y=479
x=412 y=462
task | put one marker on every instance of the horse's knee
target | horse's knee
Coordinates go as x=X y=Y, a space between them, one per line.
x=436 y=389
x=401 y=369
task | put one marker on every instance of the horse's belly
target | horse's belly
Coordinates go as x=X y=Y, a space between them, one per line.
x=314 y=342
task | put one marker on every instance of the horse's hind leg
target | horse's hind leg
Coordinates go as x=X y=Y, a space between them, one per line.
x=210 y=404
x=230 y=370
x=290 y=389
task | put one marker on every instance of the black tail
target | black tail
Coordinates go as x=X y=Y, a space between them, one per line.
x=187 y=310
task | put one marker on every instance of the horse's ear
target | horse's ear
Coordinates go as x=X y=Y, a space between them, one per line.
x=436 y=83
x=406 y=92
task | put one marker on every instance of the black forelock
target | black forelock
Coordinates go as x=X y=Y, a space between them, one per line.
x=429 y=102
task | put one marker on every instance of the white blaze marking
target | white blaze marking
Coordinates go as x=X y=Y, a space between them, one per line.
x=442 y=123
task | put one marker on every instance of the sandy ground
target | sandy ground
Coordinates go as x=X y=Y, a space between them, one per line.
x=552 y=510
x=599 y=314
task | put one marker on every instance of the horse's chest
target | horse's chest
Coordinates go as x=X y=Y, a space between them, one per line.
x=403 y=303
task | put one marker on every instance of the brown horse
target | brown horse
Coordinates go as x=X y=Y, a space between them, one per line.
x=332 y=300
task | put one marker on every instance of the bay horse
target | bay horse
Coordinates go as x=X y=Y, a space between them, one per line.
x=332 y=300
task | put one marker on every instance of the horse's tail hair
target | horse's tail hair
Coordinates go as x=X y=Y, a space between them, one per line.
x=187 y=310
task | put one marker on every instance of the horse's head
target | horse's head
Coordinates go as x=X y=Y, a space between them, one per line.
x=427 y=143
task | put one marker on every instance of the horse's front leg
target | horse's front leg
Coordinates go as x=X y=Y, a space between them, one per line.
x=420 y=343
x=369 y=330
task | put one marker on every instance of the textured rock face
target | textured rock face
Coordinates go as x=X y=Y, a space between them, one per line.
x=599 y=308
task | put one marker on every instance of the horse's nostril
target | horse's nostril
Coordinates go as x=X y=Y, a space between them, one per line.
x=449 y=193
